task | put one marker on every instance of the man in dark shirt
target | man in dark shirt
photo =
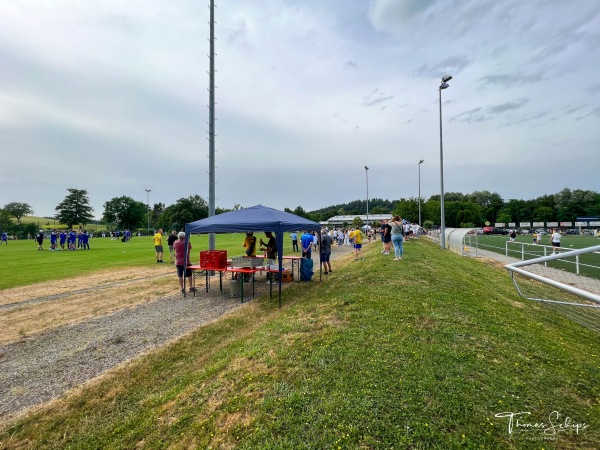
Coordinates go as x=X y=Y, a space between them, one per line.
x=326 y=251
x=170 y=241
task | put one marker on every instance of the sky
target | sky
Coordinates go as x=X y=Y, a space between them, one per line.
x=112 y=97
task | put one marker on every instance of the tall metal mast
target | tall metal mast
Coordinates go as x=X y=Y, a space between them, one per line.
x=211 y=125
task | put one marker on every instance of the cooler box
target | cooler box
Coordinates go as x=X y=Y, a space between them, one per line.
x=213 y=259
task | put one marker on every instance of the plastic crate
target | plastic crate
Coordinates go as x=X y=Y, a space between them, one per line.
x=213 y=259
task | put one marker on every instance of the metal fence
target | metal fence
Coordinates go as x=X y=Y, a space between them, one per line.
x=573 y=295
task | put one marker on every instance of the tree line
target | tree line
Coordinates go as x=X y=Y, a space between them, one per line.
x=461 y=210
x=474 y=209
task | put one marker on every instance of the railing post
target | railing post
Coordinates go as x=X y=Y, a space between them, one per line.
x=545 y=254
x=506 y=248
x=577 y=264
x=522 y=251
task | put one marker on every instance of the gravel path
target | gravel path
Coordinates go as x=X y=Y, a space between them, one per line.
x=43 y=367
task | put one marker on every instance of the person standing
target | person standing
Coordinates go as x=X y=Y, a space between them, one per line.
x=181 y=263
x=62 y=237
x=387 y=237
x=158 y=247
x=40 y=239
x=250 y=244
x=71 y=241
x=326 y=252
x=294 y=237
x=271 y=249
x=4 y=238
x=512 y=235
x=170 y=241
x=397 y=238
x=555 y=241
x=53 y=240
x=85 y=240
x=307 y=242
x=358 y=238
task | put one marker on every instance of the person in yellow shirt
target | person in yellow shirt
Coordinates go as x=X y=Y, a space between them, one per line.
x=158 y=246
x=250 y=244
x=358 y=238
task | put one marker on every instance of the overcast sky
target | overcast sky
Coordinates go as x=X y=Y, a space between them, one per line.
x=111 y=96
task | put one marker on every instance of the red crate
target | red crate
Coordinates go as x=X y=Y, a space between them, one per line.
x=213 y=259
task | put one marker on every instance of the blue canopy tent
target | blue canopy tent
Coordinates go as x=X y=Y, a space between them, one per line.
x=254 y=218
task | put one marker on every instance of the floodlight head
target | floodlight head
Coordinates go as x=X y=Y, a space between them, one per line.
x=422 y=161
x=446 y=78
x=366 y=168
x=444 y=85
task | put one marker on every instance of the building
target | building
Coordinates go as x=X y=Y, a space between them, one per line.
x=341 y=221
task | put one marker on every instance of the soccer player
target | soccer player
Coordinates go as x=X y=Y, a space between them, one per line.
x=158 y=246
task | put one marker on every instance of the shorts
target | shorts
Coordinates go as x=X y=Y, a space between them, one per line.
x=555 y=244
x=325 y=257
x=158 y=248
x=170 y=249
x=357 y=246
x=387 y=239
x=188 y=272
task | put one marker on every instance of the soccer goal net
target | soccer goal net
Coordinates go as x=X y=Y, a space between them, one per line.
x=546 y=280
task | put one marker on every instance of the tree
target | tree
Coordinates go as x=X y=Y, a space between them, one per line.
x=75 y=209
x=185 y=210
x=357 y=222
x=18 y=210
x=5 y=220
x=125 y=212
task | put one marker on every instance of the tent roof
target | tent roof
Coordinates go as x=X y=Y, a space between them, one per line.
x=254 y=218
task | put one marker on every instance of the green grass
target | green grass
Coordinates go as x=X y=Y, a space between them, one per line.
x=497 y=244
x=22 y=264
x=418 y=354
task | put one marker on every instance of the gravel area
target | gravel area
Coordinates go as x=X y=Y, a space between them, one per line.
x=45 y=366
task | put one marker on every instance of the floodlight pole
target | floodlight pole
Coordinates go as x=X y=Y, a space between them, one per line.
x=443 y=85
x=367 y=173
x=211 y=125
x=420 y=162
x=148 y=209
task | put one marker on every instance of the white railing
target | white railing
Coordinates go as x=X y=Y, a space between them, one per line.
x=533 y=251
x=573 y=295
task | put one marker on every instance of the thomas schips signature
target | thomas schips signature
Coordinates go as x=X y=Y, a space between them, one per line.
x=555 y=424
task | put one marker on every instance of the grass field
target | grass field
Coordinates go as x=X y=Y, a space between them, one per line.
x=423 y=353
x=21 y=263
x=590 y=263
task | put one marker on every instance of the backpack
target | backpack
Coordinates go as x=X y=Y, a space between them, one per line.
x=306 y=269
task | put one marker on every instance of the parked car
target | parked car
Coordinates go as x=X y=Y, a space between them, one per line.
x=493 y=230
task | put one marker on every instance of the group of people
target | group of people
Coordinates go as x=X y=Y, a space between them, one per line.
x=391 y=233
x=74 y=240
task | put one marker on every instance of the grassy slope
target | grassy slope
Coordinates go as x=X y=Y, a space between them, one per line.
x=414 y=354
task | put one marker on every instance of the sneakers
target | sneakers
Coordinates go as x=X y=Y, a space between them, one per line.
x=183 y=291
x=326 y=273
